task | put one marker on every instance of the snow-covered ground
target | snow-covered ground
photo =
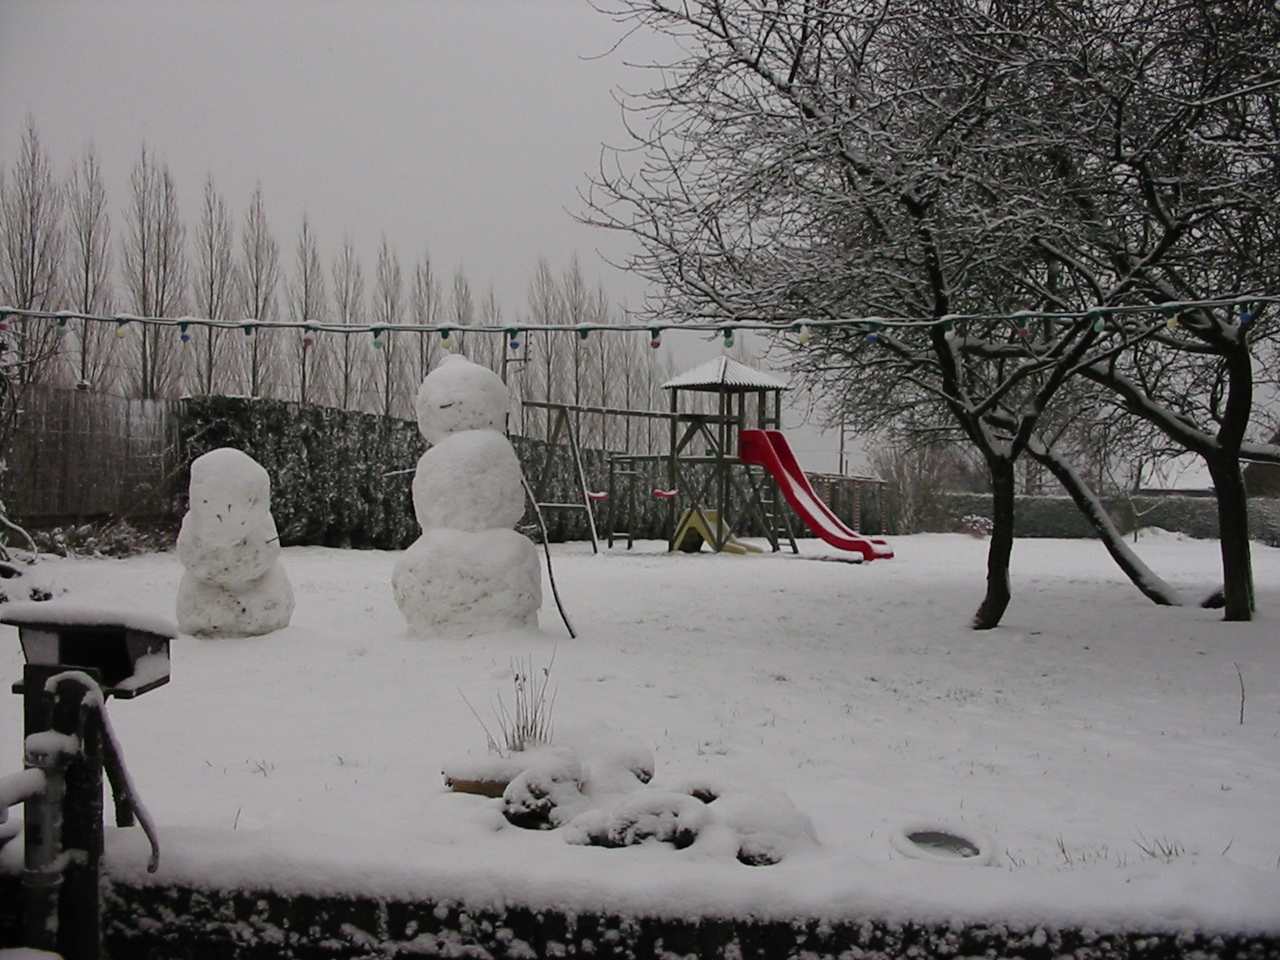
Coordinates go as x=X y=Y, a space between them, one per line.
x=1094 y=738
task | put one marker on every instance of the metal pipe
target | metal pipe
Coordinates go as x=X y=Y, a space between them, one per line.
x=44 y=863
x=18 y=788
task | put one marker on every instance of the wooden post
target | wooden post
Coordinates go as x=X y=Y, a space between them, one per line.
x=721 y=480
x=673 y=471
x=81 y=933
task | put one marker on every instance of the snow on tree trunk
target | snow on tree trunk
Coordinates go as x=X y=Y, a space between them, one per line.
x=1143 y=577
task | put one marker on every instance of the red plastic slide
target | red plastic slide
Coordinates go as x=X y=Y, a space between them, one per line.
x=770 y=449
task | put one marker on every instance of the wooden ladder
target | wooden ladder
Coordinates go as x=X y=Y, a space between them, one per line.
x=622 y=507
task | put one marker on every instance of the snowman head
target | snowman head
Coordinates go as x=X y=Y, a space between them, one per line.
x=227 y=477
x=460 y=395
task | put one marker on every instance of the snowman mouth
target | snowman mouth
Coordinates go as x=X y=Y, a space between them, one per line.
x=446 y=406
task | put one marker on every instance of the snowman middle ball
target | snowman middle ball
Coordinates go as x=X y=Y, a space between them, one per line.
x=469 y=481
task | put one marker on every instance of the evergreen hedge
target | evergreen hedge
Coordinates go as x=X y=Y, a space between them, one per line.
x=328 y=468
x=1057 y=516
x=330 y=485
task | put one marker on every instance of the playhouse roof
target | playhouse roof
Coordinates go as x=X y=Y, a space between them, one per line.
x=722 y=372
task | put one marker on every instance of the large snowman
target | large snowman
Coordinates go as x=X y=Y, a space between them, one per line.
x=234 y=585
x=469 y=572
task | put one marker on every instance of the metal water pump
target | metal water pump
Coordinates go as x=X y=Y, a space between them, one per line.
x=75 y=659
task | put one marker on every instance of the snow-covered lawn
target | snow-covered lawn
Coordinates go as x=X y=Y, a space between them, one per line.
x=1094 y=737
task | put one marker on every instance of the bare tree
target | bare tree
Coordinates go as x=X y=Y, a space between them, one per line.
x=308 y=303
x=515 y=370
x=544 y=310
x=628 y=357
x=387 y=309
x=601 y=359
x=31 y=232
x=259 y=276
x=426 y=304
x=491 y=348
x=155 y=270
x=575 y=305
x=87 y=281
x=215 y=283
x=350 y=358
x=462 y=310
x=658 y=369
x=841 y=167
x=917 y=475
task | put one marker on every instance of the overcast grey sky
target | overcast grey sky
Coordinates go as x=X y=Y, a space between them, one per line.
x=463 y=127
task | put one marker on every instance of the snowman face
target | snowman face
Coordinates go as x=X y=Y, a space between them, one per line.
x=460 y=395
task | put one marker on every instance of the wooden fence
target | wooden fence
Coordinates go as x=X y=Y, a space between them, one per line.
x=76 y=455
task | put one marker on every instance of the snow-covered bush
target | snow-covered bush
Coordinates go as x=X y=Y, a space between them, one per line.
x=104 y=538
x=976 y=526
x=547 y=794
x=18 y=580
x=645 y=815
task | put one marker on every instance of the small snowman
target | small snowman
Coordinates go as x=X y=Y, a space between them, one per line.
x=234 y=585
x=469 y=572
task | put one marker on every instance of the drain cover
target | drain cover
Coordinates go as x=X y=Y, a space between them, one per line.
x=941 y=842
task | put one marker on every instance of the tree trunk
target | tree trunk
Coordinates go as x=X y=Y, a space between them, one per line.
x=1000 y=549
x=1233 y=535
x=1139 y=574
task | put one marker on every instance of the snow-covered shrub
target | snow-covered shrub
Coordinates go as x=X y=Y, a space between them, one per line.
x=658 y=815
x=18 y=580
x=547 y=794
x=21 y=581
x=767 y=824
x=104 y=538
x=976 y=526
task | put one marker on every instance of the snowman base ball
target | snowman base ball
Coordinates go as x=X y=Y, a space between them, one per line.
x=250 y=610
x=455 y=582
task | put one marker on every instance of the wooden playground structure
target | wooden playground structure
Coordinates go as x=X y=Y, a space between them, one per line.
x=731 y=469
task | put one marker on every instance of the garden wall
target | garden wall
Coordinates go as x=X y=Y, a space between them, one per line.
x=173 y=922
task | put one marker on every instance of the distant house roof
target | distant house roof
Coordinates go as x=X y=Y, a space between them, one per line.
x=723 y=372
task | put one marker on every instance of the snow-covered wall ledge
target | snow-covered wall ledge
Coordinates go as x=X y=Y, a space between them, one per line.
x=176 y=920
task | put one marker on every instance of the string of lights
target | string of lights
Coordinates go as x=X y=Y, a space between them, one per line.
x=1244 y=306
